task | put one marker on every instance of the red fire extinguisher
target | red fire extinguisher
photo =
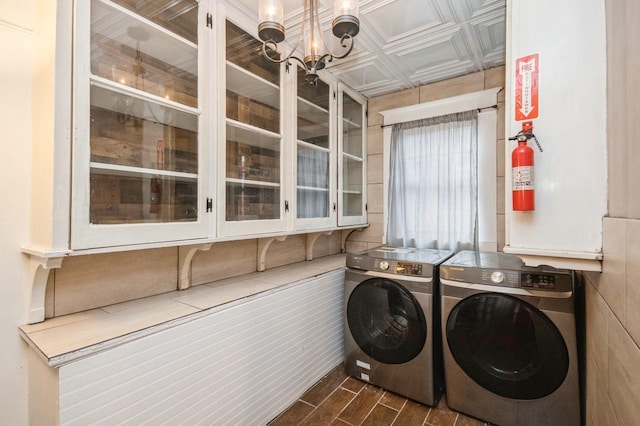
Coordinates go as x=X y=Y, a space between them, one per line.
x=522 y=170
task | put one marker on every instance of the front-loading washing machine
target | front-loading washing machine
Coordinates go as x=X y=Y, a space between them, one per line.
x=509 y=332
x=391 y=328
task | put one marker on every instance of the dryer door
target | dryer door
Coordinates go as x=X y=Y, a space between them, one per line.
x=507 y=346
x=386 y=321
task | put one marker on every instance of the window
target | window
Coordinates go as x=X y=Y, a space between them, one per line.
x=486 y=159
x=433 y=183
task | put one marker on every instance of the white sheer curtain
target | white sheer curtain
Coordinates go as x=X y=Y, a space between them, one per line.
x=433 y=186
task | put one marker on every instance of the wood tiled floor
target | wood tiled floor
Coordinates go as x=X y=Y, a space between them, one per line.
x=338 y=399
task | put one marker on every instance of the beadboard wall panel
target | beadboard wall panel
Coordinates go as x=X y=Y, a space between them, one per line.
x=243 y=363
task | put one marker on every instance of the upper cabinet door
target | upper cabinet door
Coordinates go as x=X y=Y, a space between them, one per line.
x=315 y=166
x=139 y=154
x=352 y=157
x=251 y=194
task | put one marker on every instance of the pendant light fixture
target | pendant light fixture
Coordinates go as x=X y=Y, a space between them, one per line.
x=271 y=31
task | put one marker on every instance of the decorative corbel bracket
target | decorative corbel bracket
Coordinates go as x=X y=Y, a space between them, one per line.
x=186 y=257
x=345 y=235
x=311 y=240
x=263 y=246
x=39 y=268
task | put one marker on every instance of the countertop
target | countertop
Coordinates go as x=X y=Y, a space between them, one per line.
x=67 y=338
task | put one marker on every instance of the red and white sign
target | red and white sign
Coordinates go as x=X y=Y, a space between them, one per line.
x=527 y=68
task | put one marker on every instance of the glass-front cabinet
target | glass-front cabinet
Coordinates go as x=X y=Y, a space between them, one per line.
x=251 y=192
x=352 y=155
x=184 y=131
x=315 y=154
x=140 y=149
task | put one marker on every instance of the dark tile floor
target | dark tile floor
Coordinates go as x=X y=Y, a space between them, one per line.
x=338 y=399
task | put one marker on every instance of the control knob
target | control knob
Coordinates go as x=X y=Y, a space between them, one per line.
x=497 y=277
x=384 y=265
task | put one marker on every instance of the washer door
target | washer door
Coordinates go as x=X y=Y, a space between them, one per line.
x=507 y=346
x=386 y=321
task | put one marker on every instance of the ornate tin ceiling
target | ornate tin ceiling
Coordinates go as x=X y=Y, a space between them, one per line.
x=407 y=43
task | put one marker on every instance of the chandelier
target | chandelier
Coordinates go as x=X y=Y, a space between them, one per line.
x=271 y=30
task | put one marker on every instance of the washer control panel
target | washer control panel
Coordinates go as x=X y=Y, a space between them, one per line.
x=397 y=267
x=542 y=281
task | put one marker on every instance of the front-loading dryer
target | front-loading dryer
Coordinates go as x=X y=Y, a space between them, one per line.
x=391 y=328
x=510 y=349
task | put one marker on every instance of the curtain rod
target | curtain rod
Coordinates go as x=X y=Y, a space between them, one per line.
x=382 y=126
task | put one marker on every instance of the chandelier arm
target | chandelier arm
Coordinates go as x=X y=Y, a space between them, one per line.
x=343 y=42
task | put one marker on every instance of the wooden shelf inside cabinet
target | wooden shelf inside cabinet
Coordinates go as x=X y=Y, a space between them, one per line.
x=351 y=123
x=352 y=157
x=250 y=86
x=312 y=112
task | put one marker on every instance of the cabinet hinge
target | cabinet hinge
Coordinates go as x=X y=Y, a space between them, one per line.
x=334 y=95
x=366 y=207
x=335 y=207
x=286 y=206
x=209 y=20
x=209 y=205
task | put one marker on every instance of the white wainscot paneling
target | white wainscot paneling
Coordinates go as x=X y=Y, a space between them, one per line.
x=242 y=364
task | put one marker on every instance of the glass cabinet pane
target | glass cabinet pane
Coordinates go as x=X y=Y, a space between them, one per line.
x=131 y=51
x=143 y=143
x=129 y=131
x=313 y=183
x=245 y=52
x=253 y=175
x=313 y=111
x=352 y=160
x=352 y=187
x=141 y=198
x=178 y=16
x=313 y=148
x=253 y=139
x=351 y=126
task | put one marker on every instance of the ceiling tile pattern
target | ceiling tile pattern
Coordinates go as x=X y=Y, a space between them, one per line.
x=408 y=43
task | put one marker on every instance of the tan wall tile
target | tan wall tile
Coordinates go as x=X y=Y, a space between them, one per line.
x=355 y=246
x=374 y=168
x=495 y=77
x=375 y=196
x=597 y=315
x=605 y=415
x=500 y=158
x=390 y=101
x=291 y=250
x=91 y=281
x=49 y=295
x=327 y=245
x=374 y=140
x=592 y=385
x=624 y=373
x=632 y=299
x=500 y=129
x=224 y=260
x=500 y=201
x=612 y=283
x=452 y=87
x=372 y=234
x=501 y=232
